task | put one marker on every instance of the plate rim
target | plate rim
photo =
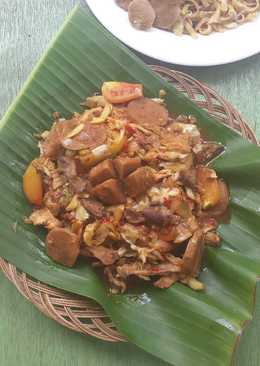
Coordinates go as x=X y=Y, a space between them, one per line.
x=94 y=4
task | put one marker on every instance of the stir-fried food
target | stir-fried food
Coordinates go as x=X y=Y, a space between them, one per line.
x=126 y=187
x=190 y=17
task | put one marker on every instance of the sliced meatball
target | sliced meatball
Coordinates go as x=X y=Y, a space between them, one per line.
x=167 y=12
x=125 y=166
x=123 y=4
x=147 y=112
x=89 y=137
x=102 y=172
x=139 y=181
x=63 y=246
x=110 y=192
x=193 y=255
x=141 y=14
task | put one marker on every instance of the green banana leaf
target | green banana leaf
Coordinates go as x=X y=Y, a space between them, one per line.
x=177 y=325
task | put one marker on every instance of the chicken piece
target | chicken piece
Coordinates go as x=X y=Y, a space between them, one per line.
x=80 y=184
x=106 y=255
x=207 y=224
x=109 y=192
x=180 y=206
x=168 y=234
x=168 y=12
x=51 y=146
x=162 y=246
x=207 y=151
x=94 y=207
x=183 y=233
x=134 y=217
x=159 y=216
x=63 y=246
x=167 y=281
x=117 y=283
x=123 y=4
x=139 y=181
x=193 y=255
x=151 y=158
x=141 y=14
x=52 y=203
x=124 y=166
x=130 y=233
x=147 y=269
x=43 y=217
x=147 y=112
x=101 y=172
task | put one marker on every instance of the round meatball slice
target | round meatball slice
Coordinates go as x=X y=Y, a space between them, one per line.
x=141 y=14
x=168 y=12
x=89 y=137
x=124 y=4
x=147 y=112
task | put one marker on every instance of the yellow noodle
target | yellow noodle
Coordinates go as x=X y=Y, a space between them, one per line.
x=203 y=27
x=207 y=16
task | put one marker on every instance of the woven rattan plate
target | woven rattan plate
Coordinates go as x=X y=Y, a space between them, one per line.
x=83 y=315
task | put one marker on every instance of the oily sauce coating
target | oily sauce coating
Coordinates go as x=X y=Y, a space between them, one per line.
x=127 y=187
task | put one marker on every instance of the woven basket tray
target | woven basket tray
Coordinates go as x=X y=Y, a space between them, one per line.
x=81 y=314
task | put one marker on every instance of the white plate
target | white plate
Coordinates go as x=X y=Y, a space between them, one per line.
x=215 y=49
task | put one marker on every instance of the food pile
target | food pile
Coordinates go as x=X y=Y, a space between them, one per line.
x=190 y=17
x=125 y=186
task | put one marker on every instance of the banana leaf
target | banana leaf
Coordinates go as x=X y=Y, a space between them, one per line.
x=177 y=325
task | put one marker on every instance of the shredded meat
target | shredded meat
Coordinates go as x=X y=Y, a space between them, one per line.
x=67 y=166
x=126 y=186
x=45 y=218
x=106 y=255
x=160 y=216
x=51 y=146
x=207 y=152
x=94 y=207
x=193 y=254
x=139 y=269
